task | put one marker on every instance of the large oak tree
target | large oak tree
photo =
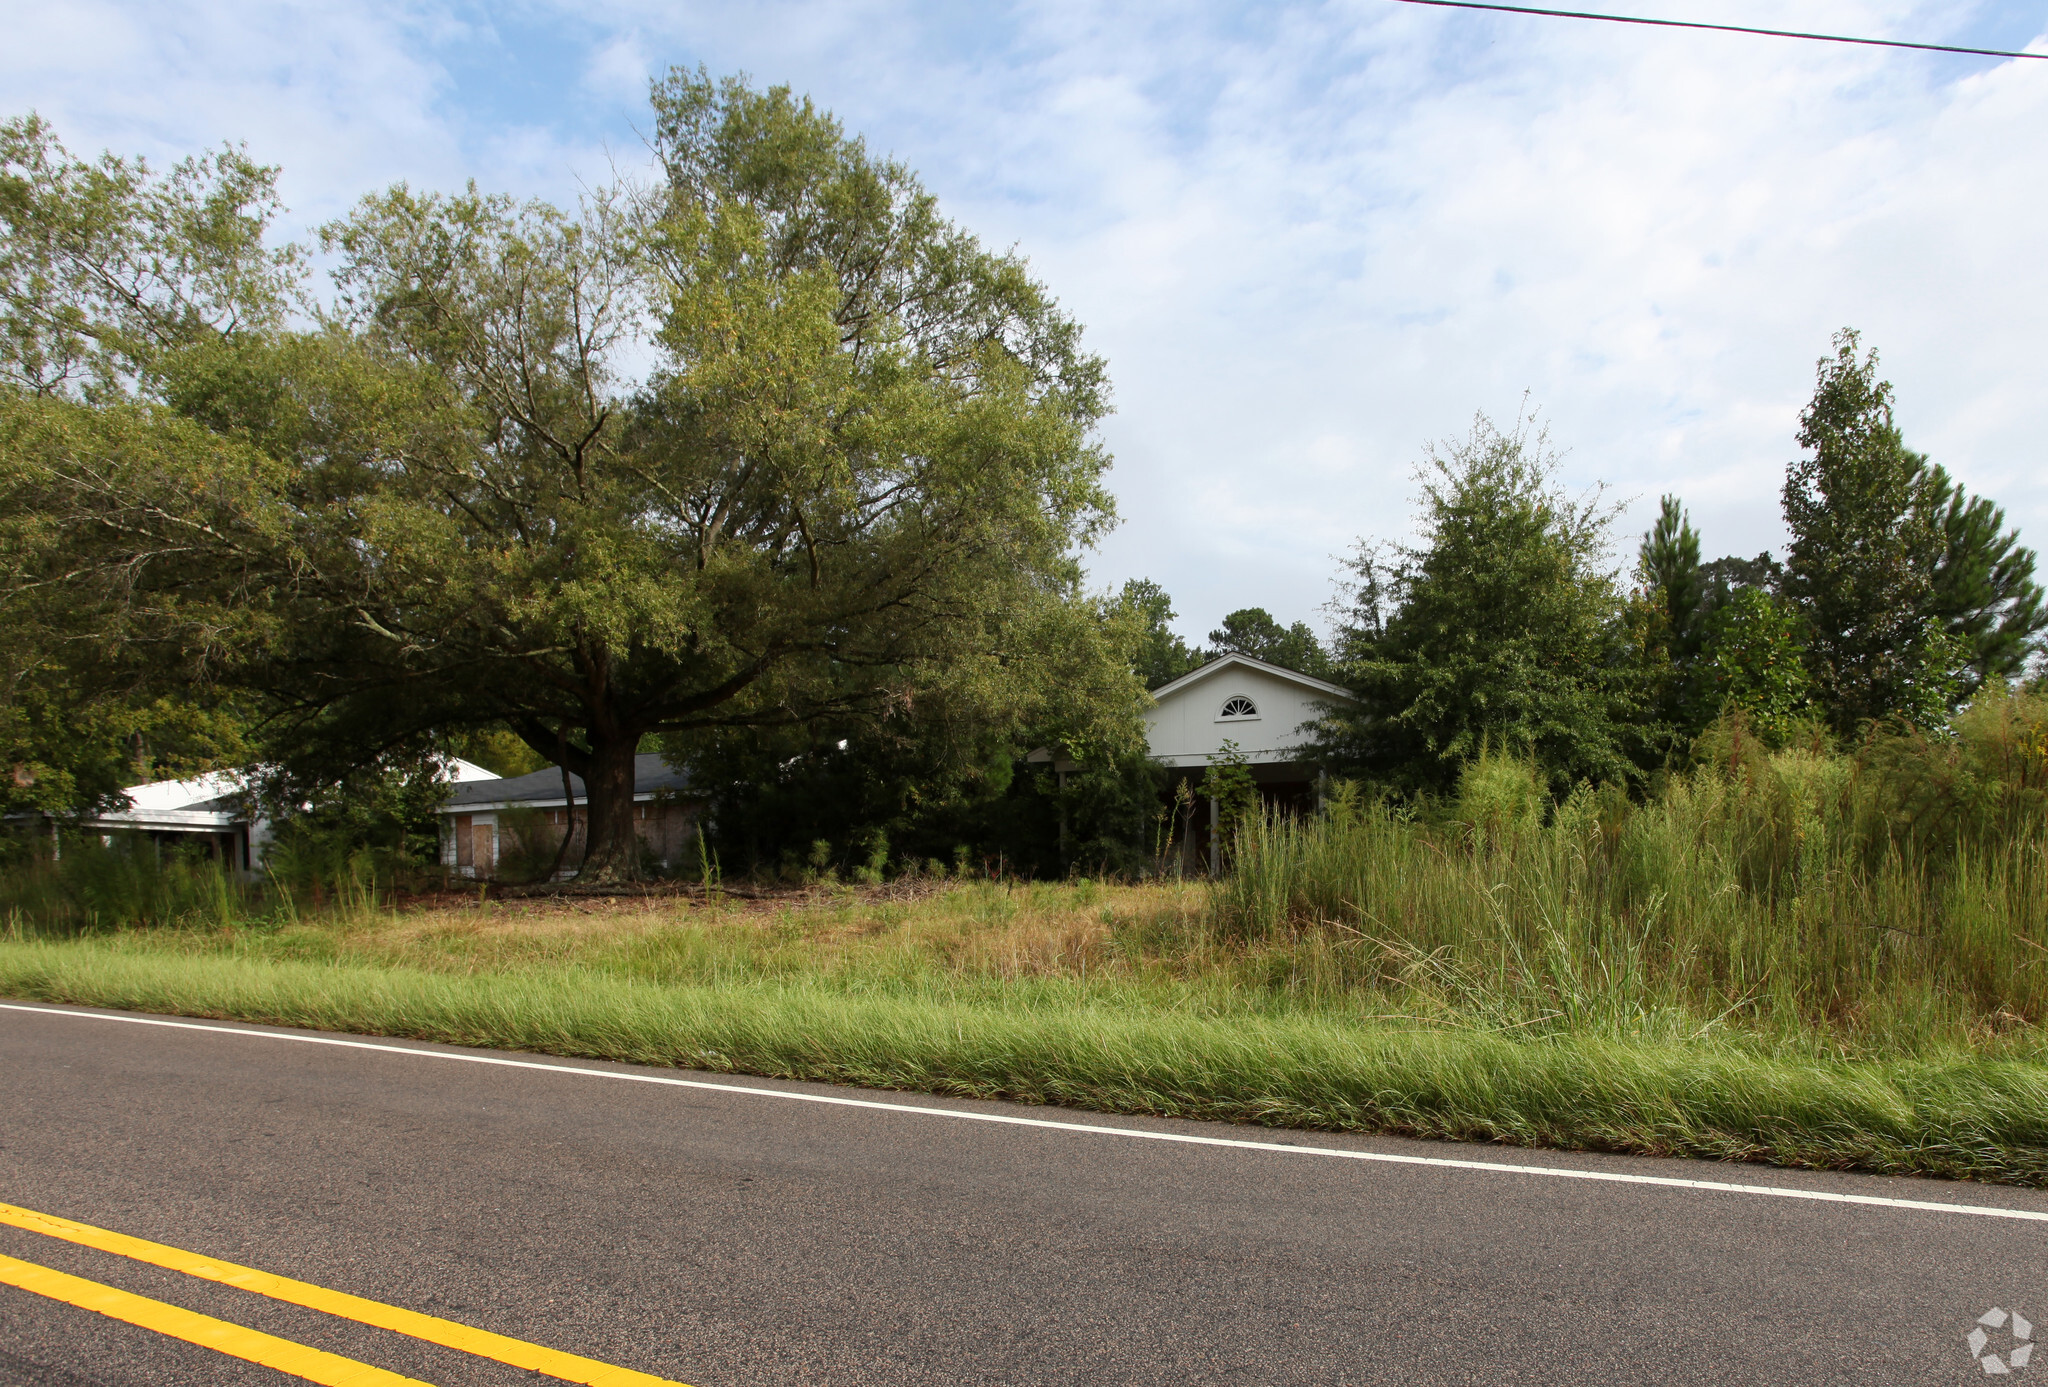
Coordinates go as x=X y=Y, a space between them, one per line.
x=768 y=443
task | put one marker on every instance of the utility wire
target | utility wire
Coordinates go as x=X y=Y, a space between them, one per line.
x=1724 y=28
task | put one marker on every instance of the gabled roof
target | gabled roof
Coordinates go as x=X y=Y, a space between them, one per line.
x=651 y=776
x=1223 y=662
x=216 y=791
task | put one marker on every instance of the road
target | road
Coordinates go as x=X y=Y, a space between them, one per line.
x=728 y=1239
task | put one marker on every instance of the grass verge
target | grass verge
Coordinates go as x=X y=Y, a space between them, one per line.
x=1957 y=1115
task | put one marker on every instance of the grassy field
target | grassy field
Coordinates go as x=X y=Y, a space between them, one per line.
x=1134 y=999
x=1801 y=956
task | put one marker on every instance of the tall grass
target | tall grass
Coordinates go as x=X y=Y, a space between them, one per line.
x=1960 y=1116
x=96 y=886
x=1797 y=956
x=125 y=882
x=1886 y=897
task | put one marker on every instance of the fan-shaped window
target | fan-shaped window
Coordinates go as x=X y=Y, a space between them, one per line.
x=1240 y=707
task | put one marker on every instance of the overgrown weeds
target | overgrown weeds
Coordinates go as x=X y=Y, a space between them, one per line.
x=121 y=883
x=1795 y=956
x=1878 y=901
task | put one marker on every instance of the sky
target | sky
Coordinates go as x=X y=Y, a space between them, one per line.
x=1310 y=239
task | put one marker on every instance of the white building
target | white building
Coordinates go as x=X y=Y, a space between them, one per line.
x=215 y=811
x=1264 y=711
x=212 y=811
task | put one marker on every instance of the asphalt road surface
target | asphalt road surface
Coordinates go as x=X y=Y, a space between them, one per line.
x=727 y=1239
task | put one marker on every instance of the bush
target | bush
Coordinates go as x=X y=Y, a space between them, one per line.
x=1500 y=794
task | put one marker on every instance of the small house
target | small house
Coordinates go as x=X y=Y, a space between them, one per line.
x=1262 y=711
x=215 y=814
x=516 y=825
x=212 y=813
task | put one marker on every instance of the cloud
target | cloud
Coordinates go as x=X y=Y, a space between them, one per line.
x=1309 y=237
x=617 y=71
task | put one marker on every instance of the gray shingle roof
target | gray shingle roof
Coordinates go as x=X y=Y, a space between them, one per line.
x=651 y=775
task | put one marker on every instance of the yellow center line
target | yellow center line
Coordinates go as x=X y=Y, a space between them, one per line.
x=568 y=1367
x=252 y=1346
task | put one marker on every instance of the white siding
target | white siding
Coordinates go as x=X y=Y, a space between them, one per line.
x=1187 y=728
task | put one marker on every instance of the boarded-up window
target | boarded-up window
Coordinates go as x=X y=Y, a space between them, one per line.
x=462 y=841
x=480 y=851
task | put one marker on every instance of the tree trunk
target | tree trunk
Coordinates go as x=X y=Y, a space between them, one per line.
x=611 y=847
x=568 y=819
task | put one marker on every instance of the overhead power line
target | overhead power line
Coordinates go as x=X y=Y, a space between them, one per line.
x=1724 y=28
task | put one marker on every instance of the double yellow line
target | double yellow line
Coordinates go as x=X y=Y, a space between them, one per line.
x=314 y=1365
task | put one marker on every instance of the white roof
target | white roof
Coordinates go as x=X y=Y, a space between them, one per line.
x=211 y=801
x=183 y=794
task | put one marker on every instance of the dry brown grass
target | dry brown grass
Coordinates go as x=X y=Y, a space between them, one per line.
x=982 y=930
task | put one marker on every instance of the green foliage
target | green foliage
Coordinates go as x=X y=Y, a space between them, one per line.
x=1111 y=810
x=1984 y=595
x=947 y=767
x=1878 y=897
x=1904 y=596
x=1727 y=573
x=498 y=750
x=125 y=882
x=1500 y=628
x=1253 y=631
x=110 y=273
x=529 y=846
x=1161 y=656
x=1678 y=599
x=857 y=474
x=1500 y=794
x=1870 y=526
x=1972 y=794
x=1228 y=782
x=1755 y=665
x=107 y=267
x=353 y=825
x=67 y=753
x=820 y=809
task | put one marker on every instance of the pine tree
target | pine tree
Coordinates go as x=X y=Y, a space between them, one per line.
x=1864 y=546
x=1913 y=593
x=1160 y=656
x=1679 y=602
x=1985 y=596
x=1255 y=632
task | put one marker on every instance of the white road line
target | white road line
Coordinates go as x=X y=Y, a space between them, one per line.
x=1092 y=1129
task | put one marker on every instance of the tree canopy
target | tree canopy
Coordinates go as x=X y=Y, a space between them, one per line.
x=1253 y=631
x=1912 y=593
x=1500 y=628
x=1159 y=656
x=856 y=475
x=1859 y=568
x=1983 y=596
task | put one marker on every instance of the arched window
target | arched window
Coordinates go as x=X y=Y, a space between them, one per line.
x=1240 y=707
